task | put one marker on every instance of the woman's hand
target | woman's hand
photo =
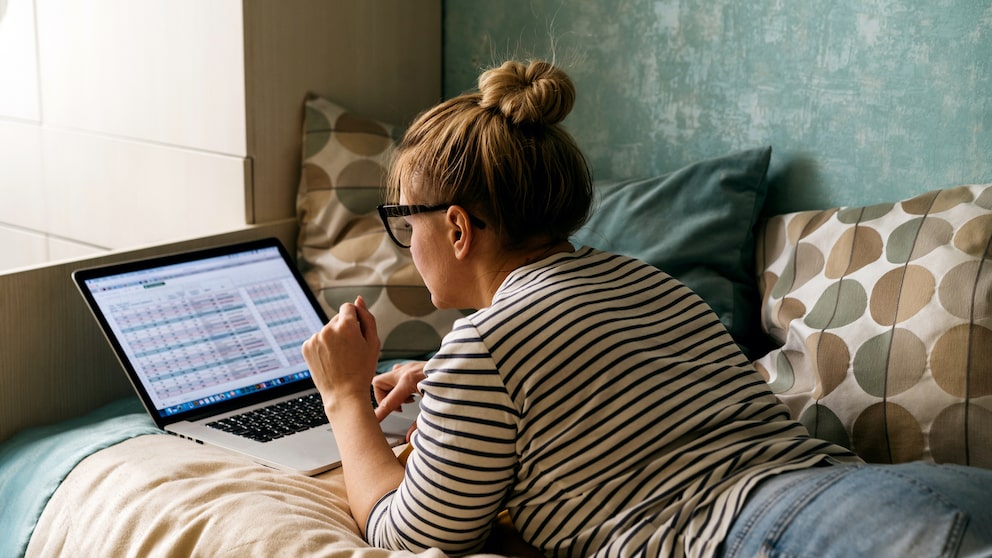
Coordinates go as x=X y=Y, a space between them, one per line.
x=394 y=388
x=342 y=356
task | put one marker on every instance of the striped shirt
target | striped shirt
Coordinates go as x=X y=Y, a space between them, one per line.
x=604 y=405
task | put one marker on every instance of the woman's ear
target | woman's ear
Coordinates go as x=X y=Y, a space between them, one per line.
x=459 y=231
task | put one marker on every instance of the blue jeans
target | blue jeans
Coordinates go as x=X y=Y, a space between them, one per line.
x=908 y=510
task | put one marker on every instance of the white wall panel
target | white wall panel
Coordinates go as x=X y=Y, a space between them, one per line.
x=60 y=249
x=166 y=71
x=21 y=248
x=117 y=193
x=18 y=61
x=22 y=198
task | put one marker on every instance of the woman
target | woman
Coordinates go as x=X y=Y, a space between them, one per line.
x=592 y=396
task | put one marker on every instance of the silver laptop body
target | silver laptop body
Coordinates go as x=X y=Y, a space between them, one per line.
x=210 y=339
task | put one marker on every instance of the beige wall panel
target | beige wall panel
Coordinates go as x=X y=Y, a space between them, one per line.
x=60 y=249
x=379 y=58
x=22 y=198
x=18 y=61
x=115 y=193
x=20 y=248
x=167 y=71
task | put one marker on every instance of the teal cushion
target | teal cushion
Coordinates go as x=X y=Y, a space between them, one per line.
x=697 y=224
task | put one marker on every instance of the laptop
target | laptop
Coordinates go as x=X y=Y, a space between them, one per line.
x=211 y=341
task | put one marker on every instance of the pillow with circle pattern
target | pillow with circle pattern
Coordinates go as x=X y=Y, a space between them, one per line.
x=884 y=315
x=343 y=250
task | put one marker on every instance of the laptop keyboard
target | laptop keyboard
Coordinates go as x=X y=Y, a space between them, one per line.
x=282 y=419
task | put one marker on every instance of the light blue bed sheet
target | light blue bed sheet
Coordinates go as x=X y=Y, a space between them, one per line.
x=35 y=461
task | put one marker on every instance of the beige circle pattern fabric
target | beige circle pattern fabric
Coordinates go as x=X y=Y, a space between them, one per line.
x=343 y=250
x=884 y=319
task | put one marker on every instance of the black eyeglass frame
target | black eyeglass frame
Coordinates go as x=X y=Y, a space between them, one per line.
x=388 y=211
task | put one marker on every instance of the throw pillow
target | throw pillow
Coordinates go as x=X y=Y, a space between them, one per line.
x=343 y=249
x=696 y=224
x=884 y=314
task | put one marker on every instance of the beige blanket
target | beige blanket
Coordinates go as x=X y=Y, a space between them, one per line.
x=163 y=496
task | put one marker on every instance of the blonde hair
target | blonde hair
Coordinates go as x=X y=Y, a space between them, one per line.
x=502 y=153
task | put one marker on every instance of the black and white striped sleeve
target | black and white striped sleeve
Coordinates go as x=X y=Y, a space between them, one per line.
x=465 y=457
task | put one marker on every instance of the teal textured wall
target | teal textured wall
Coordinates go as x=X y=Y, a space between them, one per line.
x=863 y=101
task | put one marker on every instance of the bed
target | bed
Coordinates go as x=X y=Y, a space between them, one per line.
x=873 y=324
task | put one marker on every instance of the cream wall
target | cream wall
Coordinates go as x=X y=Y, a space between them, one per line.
x=125 y=124
x=121 y=124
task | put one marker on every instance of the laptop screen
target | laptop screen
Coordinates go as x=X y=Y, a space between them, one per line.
x=209 y=330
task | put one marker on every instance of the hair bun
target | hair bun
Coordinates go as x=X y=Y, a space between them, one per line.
x=533 y=93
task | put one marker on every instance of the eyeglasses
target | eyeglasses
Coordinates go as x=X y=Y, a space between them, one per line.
x=394 y=219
